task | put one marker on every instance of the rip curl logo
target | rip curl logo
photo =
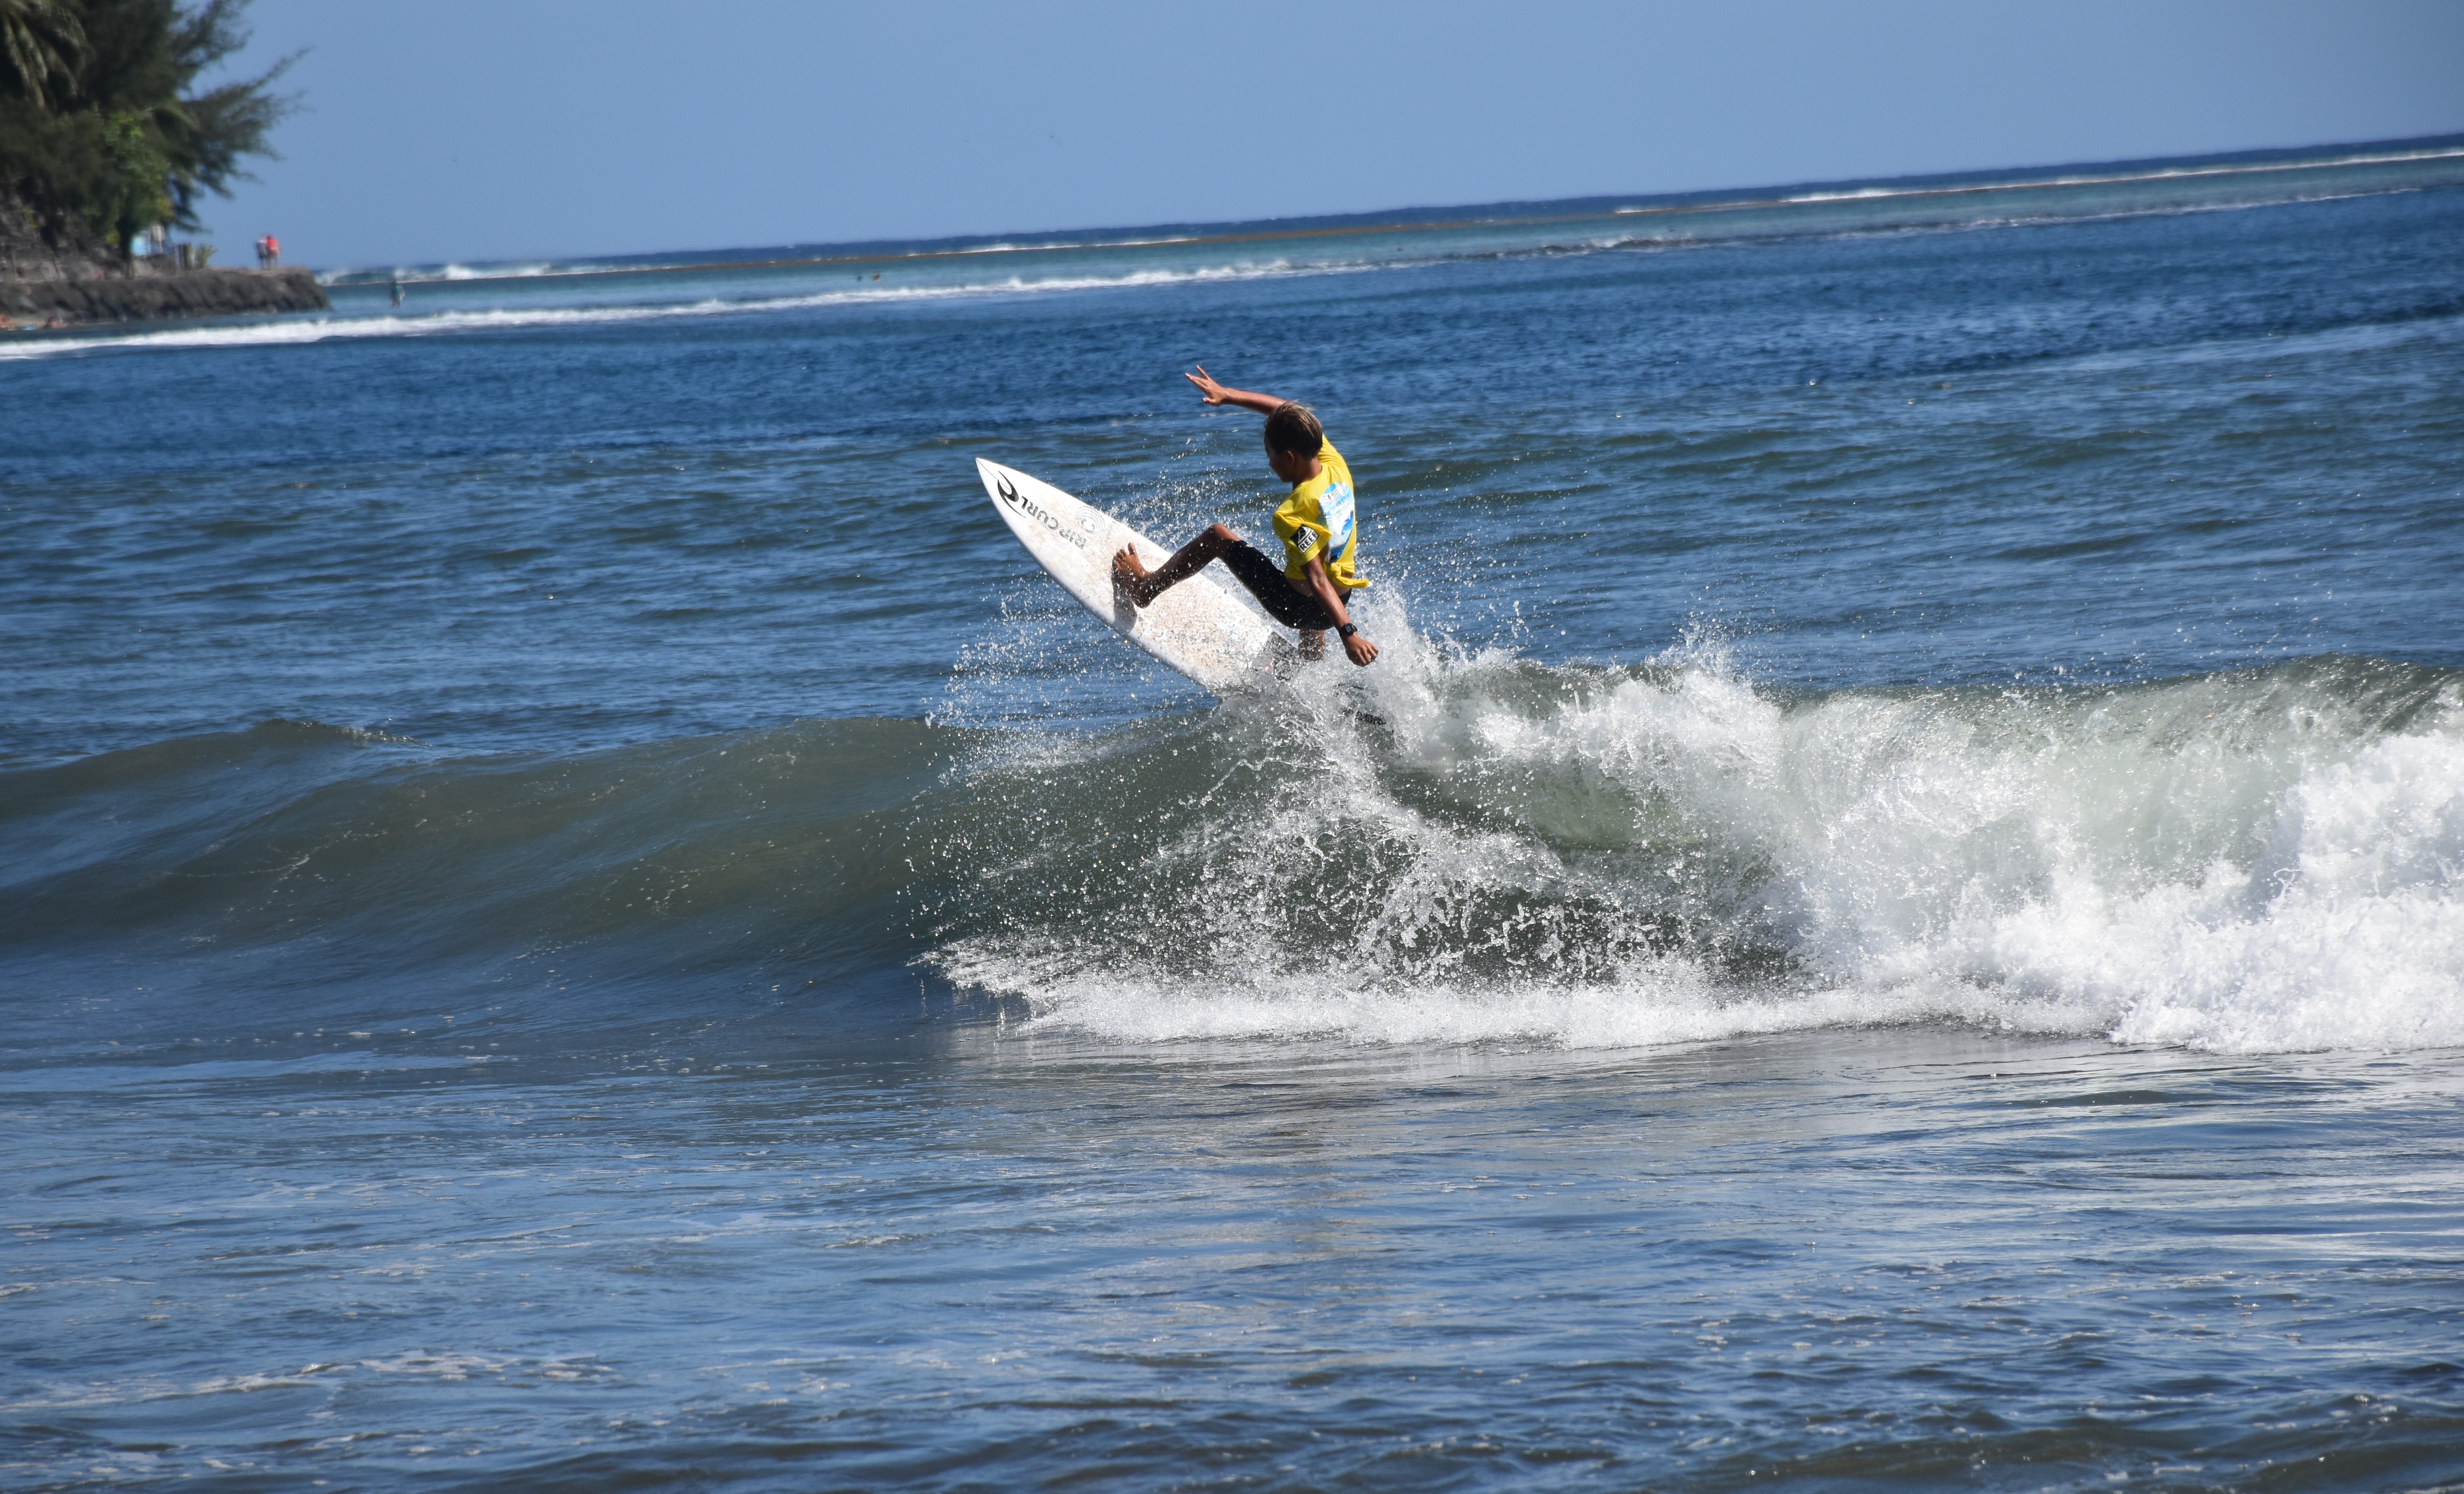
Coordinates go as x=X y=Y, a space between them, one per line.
x=1027 y=506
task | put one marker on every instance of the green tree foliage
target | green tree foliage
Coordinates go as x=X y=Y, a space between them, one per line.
x=101 y=126
x=41 y=46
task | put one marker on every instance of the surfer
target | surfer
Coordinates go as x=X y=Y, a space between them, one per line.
x=1316 y=524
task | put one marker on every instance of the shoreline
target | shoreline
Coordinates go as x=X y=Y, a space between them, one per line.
x=56 y=304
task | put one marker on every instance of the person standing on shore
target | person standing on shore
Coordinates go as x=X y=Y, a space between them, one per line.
x=1316 y=522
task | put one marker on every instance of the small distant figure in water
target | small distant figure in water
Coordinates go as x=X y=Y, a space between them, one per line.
x=1316 y=524
x=397 y=290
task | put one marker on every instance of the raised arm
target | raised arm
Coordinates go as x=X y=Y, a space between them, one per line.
x=1217 y=394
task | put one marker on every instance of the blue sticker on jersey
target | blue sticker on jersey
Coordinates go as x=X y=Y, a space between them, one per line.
x=1334 y=506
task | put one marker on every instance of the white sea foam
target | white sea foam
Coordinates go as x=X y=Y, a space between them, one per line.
x=2126 y=178
x=2236 y=863
x=490 y=271
x=487 y=270
x=583 y=268
x=318 y=329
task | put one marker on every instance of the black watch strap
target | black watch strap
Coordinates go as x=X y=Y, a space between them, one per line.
x=1346 y=629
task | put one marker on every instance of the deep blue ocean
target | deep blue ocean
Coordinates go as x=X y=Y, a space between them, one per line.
x=576 y=914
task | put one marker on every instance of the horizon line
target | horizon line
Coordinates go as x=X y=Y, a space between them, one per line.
x=2253 y=162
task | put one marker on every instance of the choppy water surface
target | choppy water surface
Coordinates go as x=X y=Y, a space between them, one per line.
x=575 y=914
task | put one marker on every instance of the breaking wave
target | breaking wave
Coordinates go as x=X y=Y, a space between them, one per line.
x=1484 y=849
x=1448 y=849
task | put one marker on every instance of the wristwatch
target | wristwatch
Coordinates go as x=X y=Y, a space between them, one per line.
x=1346 y=629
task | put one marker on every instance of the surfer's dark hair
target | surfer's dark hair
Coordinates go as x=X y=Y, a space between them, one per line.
x=1293 y=428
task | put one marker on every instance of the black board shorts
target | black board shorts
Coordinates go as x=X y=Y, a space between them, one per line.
x=1285 y=602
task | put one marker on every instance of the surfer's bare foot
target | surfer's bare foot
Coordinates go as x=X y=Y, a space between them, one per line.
x=1131 y=575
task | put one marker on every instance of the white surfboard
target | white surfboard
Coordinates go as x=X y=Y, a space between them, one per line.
x=1197 y=626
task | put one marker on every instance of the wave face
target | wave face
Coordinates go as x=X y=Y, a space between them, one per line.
x=1454 y=848
x=316 y=872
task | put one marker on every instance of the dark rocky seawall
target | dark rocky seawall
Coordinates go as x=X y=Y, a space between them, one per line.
x=147 y=296
x=69 y=277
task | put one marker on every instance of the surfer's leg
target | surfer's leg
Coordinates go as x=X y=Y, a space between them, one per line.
x=1265 y=580
x=1142 y=586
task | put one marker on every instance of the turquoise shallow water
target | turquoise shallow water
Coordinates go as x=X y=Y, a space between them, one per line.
x=574 y=913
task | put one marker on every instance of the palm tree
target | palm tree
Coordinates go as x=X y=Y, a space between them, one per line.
x=206 y=135
x=40 y=43
x=98 y=126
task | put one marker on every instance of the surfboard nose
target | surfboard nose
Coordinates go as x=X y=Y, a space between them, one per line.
x=1001 y=483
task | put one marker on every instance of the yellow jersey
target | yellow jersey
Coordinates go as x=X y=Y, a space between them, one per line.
x=1320 y=519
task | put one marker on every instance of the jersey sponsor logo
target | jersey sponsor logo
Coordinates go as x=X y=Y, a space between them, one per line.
x=1334 y=506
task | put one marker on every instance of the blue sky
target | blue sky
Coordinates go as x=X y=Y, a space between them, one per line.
x=455 y=129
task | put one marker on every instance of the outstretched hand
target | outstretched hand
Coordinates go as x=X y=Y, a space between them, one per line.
x=1207 y=388
x=1214 y=393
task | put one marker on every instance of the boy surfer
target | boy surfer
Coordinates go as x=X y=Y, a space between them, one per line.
x=1316 y=524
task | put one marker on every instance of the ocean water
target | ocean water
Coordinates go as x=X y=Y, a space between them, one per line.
x=574 y=913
